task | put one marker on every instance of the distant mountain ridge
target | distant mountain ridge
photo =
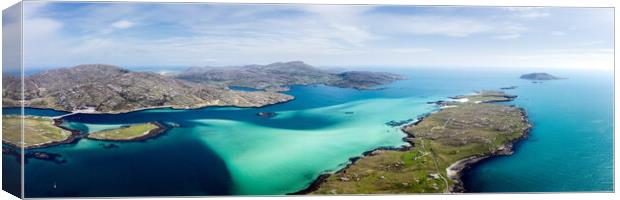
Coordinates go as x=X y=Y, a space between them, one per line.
x=278 y=76
x=108 y=88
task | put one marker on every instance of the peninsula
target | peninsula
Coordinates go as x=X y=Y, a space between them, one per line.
x=39 y=132
x=467 y=129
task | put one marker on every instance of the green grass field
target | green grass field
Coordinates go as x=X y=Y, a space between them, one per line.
x=388 y=172
x=125 y=133
x=37 y=131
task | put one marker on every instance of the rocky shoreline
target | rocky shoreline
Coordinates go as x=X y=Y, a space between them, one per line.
x=153 y=107
x=194 y=108
x=74 y=135
x=323 y=177
x=455 y=171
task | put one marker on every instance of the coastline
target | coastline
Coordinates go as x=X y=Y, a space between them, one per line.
x=198 y=106
x=72 y=138
x=77 y=135
x=454 y=171
x=323 y=177
x=68 y=112
x=161 y=128
x=314 y=185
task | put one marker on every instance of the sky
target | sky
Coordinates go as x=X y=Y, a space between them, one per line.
x=61 y=34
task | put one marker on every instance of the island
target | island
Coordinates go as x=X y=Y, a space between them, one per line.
x=442 y=144
x=38 y=132
x=112 y=89
x=129 y=133
x=539 y=77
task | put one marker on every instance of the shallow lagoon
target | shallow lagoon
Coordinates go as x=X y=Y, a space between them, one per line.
x=225 y=150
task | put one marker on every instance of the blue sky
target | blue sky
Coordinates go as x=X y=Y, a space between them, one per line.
x=140 y=34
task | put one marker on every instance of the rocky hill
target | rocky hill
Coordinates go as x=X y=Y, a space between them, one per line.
x=280 y=75
x=109 y=88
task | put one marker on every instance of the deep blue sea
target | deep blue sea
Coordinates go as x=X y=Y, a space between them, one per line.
x=227 y=150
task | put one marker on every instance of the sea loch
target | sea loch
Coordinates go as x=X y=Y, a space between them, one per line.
x=227 y=150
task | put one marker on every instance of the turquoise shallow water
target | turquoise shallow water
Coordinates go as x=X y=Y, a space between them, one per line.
x=226 y=150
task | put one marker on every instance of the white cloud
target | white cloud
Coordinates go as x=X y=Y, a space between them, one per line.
x=529 y=12
x=558 y=33
x=42 y=43
x=601 y=59
x=592 y=43
x=319 y=35
x=609 y=51
x=11 y=45
x=446 y=25
x=534 y=14
x=431 y=25
x=40 y=28
x=509 y=36
x=410 y=50
x=344 y=23
x=122 y=24
x=32 y=8
x=332 y=34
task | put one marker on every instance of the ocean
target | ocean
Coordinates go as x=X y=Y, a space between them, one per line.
x=232 y=151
